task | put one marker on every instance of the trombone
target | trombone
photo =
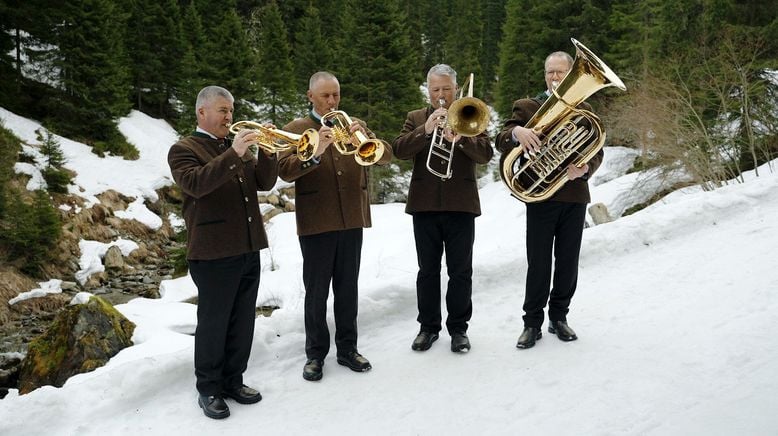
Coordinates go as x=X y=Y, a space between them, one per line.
x=368 y=152
x=275 y=140
x=467 y=116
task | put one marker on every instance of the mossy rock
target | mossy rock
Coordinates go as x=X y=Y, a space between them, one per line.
x=80 y=339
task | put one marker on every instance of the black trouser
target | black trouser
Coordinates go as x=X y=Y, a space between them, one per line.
x=226 y=309
x=454 y=232
x=331 y=257
x=556 y=226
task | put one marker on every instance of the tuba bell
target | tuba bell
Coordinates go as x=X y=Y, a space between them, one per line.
x=467 y=116
x=275 y=140
x=568 y=135
x=368 y=152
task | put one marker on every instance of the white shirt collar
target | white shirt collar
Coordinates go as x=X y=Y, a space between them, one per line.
x=199 y=129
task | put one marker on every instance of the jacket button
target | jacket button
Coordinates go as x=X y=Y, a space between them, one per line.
x=246 y=198
x=340 y=173
x=249 y=219
x=232 y=167
x=240 y=179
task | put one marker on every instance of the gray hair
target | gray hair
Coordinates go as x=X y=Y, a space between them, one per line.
x=209 y=93
x=559 y=54
x=320 y=75
x=442 y=70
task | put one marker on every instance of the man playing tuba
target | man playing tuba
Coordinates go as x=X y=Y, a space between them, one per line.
x=554 y=224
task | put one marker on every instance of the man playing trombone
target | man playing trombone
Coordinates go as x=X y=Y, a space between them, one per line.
x=443 y=200
x=332 y=206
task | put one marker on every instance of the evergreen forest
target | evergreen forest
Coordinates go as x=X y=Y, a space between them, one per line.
x=691 y=66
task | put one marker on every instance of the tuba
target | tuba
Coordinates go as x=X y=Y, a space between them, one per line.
x=568 y=135
x=467 y=116
x=368 y=152
x=275 y=140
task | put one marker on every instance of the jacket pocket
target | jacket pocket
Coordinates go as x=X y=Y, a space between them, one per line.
x=208 y=223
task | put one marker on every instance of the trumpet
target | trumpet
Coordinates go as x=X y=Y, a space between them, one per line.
x=368 y=152
x=467 y=116
x=275 y=140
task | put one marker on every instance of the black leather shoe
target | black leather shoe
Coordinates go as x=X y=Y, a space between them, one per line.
x=213 y=406
x=354 y=361
x=562 y=331
x=528 y=337
x=460 y=343
x=312 y=369
x=243 y=395
x=424 y=341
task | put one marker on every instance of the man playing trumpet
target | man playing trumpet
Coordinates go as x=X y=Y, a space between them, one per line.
x=219 y=180
x=332 y=206
x=443 y=209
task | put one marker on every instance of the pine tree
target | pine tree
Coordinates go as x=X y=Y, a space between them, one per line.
x=494 y=17
x=228 y=60
x=312 y=52
x=191 y=80
x=378 y=78
x=50 y=149
x=30 y=231
x=378 y=81
x=275 y=74
x=10 y=146
x=8 y=64
x=436 y=30
x=154 y=39
x=517 y=74
x=462 y=53
x=93 y=70
x=57 y=179
x=417 y=21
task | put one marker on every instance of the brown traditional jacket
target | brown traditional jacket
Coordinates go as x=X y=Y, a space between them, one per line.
x=574 y=191
x=333 y=194
x=220 y=197
x=428 y=193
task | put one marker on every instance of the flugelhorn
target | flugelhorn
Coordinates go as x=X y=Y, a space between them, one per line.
x=368 y=152
x=467 y=116
x=275 y=140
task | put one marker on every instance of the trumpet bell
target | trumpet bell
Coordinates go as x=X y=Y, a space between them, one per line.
x=468 y=116
x=306 y=145
x=369 y=152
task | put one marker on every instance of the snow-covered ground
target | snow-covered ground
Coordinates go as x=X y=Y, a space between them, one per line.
x=674 y=313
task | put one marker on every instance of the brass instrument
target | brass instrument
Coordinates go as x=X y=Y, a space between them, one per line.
x=275 y=140
x=368 y=152
x=467 y=116
x=568 y=135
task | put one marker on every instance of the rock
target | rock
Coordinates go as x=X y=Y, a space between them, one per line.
x=9 y=369
x=96 y=280
x=80 y=339
x=113 y=258
x=599 y=213
x=270 y=214
x=273 y=199
x=150 y=292
x=68 y=286
x=289 y=207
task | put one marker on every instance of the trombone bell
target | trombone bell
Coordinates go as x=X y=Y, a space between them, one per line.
x=467 y=116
